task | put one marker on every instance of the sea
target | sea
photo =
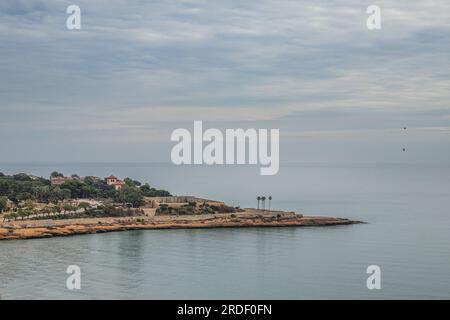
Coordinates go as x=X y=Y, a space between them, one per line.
x=406 y=208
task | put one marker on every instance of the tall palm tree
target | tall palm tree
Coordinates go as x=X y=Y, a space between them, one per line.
x=258 y=198
x=263 y=202
x=270 y=199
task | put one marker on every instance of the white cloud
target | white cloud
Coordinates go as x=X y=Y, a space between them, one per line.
x=137 y=66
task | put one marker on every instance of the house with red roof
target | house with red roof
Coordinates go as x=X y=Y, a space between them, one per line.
x=114 y=182
x=57 y=181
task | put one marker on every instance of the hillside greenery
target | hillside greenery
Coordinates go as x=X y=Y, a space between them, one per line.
x=22 y=187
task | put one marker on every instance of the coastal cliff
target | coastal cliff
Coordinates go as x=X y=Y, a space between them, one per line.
x=248 y=218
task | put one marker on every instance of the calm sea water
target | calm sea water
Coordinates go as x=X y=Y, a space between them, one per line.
x=407 y=235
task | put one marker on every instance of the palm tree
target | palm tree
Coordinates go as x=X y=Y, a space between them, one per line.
x=258 y=198
x=270 y=199
x=263 y=202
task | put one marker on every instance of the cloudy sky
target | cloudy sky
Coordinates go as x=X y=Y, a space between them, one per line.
x=115 y=90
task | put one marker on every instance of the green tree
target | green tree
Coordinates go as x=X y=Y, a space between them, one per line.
x=56 y=195
x=3 y=203
x=129 y=182
x=130 y=195
x=42 y=193
x=132 y=183
x=22 y=177
x=29 y=204
x=46 y=211
x=146 y=188
x=26 y=214
x=75 y=187
x=20 y=213
x=148 y=191
x=56 y=174
x=24 y=196
x=66 y=194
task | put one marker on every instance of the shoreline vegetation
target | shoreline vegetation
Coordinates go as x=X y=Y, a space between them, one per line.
x=35 y=207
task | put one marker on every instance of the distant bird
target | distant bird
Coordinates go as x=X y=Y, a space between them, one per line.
x=404 y=128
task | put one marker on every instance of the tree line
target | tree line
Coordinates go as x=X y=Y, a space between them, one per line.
x=22 y=187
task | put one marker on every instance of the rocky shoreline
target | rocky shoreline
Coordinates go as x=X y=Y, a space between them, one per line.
x=249 y=218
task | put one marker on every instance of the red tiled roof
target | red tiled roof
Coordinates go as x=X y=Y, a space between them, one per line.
x=111 y=177
x=59 y=180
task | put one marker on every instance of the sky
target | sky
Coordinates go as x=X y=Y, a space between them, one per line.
x=116 y=89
